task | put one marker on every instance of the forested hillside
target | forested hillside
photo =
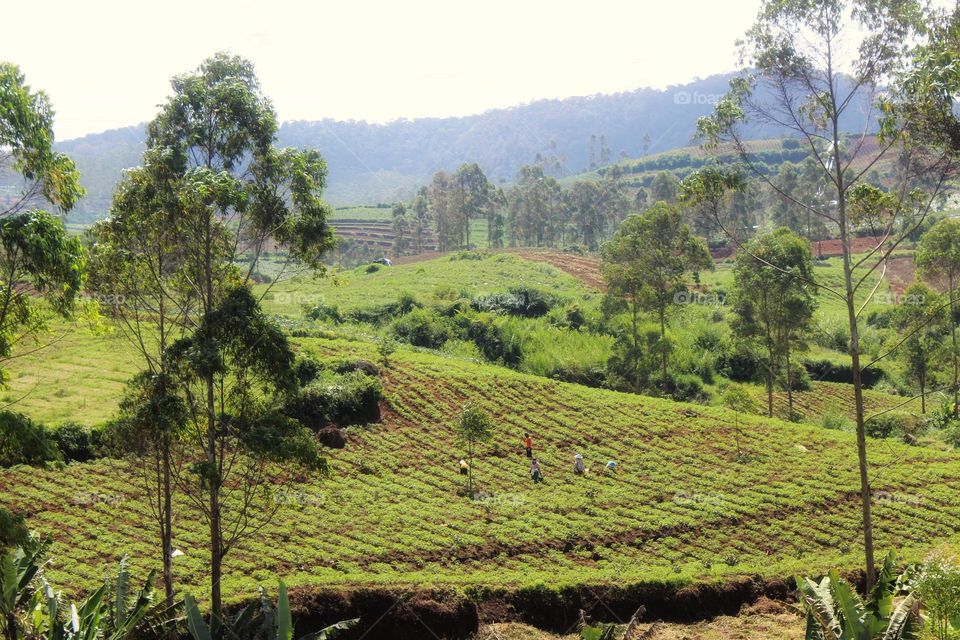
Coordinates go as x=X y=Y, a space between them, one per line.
x=386 y=162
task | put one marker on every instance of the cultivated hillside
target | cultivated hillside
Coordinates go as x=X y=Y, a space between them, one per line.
x=684 y=505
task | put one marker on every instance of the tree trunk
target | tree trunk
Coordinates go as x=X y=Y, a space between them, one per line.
x=923 y=394
x=167 y=527
x=663 y=339
x=636 y=351
x=956 y=355
x=865 y=492
x=789 y=382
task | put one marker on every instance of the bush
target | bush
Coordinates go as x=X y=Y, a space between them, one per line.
x=343 y=400
x=493 y=340
x=833 y=335
x=937 y=586
x=23 y=441
x=372 y=268
x=77 y=443
x=306 y=370
x=828 y=371
x=685 y=387
x=423 y=328
x=739 y=365
x=320 y=311
x=522 y=300
x=890 y=424
x=835 y=421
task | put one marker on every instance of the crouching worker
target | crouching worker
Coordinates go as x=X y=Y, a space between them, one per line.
x=578 y=467
x=535 y=471
x=464 y=468
x=611 y=466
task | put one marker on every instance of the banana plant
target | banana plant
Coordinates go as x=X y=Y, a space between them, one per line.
x=112 y=612
x=19 y=568
x=835 y=611
x=272 y=624
x=30 y=607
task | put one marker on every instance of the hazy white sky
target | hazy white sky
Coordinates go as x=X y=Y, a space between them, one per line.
x=107 y=64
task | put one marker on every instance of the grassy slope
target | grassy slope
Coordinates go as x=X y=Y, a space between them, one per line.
x=679 y=509
x=357 y=288
x=77 y=375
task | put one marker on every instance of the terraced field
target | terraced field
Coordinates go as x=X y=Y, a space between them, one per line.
x=681 y=508
x=825 y=398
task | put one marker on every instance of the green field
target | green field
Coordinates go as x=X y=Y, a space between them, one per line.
x=681 y=507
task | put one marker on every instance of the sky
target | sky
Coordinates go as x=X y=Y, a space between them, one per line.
x=107 y=64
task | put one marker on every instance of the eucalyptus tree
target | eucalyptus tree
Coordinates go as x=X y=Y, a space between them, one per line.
x=648 y=262
x=190 y=230
x=39 y=262
x=774 y=300
x=816 y=68
x=938 y=258
x=921 y=319
x=473 y=196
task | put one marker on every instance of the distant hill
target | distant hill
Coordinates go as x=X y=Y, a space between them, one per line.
x=385 y=162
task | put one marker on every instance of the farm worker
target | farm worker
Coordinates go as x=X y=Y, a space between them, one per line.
x=578 y=467
x=528 y=444
x=535 y=471
x=611 y=466
x=464 y=467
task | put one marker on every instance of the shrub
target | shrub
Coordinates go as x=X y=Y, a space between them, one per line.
x=937 y=585
x=320 y=311
x=423 y=328
x=522 y=300
x=372 y=268
x=890 y=424
x=739 y=365
x=306 y=370
x=406 y=303
x=343 y=400
x=685 y=387
x=828 y=371
x=833 y=335
x=835 y=420
x=77 y=443
x=493 y=340
x=23 y=441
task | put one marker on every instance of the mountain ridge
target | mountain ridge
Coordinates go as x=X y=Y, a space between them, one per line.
x=385 y=162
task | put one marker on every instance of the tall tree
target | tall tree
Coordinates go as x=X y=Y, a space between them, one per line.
x=649 y=259
x=921 y=319
x=473 y=194
x=420 y=210
x=774 y=300
x=817 y=61
x=938 y=258
x=42 y=269
x=234 y=195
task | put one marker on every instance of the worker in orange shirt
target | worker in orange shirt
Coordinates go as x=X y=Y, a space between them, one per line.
x=528 y=444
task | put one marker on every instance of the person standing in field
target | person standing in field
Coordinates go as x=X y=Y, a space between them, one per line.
x=535 y=471
x=578 y=467
x=528 y=444
x=464 y=467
